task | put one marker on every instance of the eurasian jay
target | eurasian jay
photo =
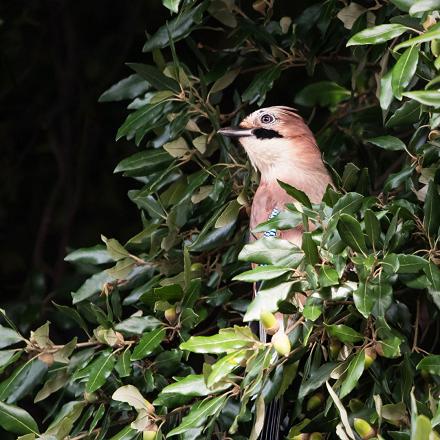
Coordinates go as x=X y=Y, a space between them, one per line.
x=281 y=146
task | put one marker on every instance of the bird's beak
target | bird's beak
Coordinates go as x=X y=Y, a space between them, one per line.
x=235 y=131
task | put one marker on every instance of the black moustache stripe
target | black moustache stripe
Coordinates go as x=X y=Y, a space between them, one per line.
x=264 y=133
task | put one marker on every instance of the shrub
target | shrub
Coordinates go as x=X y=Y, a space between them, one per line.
x=165 y=348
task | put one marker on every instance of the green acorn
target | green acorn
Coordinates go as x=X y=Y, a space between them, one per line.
x=364 y=429
x=303 y=436
x=315 y=402
x=334 y=348
x=281 y=343
x=315 y=436
x=149 y=435
x=370 y=357
x=171 y=315
x=269 y=322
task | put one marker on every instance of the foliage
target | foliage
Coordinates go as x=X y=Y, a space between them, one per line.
x=164 y=344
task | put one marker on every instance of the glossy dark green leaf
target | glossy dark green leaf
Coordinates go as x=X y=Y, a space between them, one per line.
x=146 y=161
x=312 y=308
x=404 y=70
x=100 y=370
x=91 y=286
x=267 y=299
x=431 y=221
x=123 y=365
x=192 y=385
x=261 y=84
x=310 y=249
x=148 y=343
x=411 y=263
x=155 y=77
x=226 y=365
x=377 y=34
x=328 y=276
x=351 y=233
x=323 y=93
x=198 y=414
x=284 y=220
x=432 y=34
x=316 y=379
x=390 y=143
x=363 y=299
x=17 y=420
x=8 y=337
x=407 y=113
x=427 y=97
x=127 y=88
x=349 y=203
x=372 y=227
x=136 y=325
x=262 y=273
x=178 y=28
x=430 y=363
x=273 y=251
x=354 y=372
x=423 y=6
x=226 y=341
x=344 y=333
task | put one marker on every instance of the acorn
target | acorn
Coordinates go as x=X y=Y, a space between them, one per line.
x=149 y=435
x=315 y=402
x=90 y=397
x=269 y=322
x=171 y=315
x=334 y=348
x=303 y=436
x=315 y=436
x=370 y=357
x=281 y=343
x=364 y=429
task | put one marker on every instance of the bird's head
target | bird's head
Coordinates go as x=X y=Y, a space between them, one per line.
x=276 y=140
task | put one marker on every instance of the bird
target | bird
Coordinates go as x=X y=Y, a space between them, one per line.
x=281 y=147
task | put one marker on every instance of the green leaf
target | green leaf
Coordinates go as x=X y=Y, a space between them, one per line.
x=198 y=414
x=100 y=370
x=145 y=161
x=312 y=308
x=432 y=34
x=272 y=251
x=127 y=88
x=127 y=433
x=422 y=428
x=382 y=295
x=224 y=81
x=131 y=395
x=91 y=286
x=123 y=365
x=423 y=6
x=389 y=347
x=262 y=273
x=192 y=385
x=372 y=227
x=323 y=93
x=328 y=276
x=177 y=148
x=354 y=372
x=411 y=263
x=8 y=337
x=427 y=97
x=310 y=249
x=172 y=5
x=430 y=363
x=92 y=255
x=177 y=28
x=284 y=220
x=403 y=5
x=148 y=343
x=17 y=420
x=377 y=34
x=226 y=365
x=404 y=71
x=229 y=215
x=316 y=379
x=344 y=333
x=267 y=299
x=225 y=341
x=351 y=233
x=155 y=77
x=53 y=384
x=136 y=325
x=431 y=221
x=406 y=114
x=390 y=143
x=115 y=249
x=363 y=299
x=97 y=417
x=260 y=85
x=386 y=91
x=349 y=203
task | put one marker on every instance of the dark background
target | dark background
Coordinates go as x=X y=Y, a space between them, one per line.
x=58 y=152
x=58 y=149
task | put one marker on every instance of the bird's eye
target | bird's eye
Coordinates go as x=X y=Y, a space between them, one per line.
x=267 y=119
